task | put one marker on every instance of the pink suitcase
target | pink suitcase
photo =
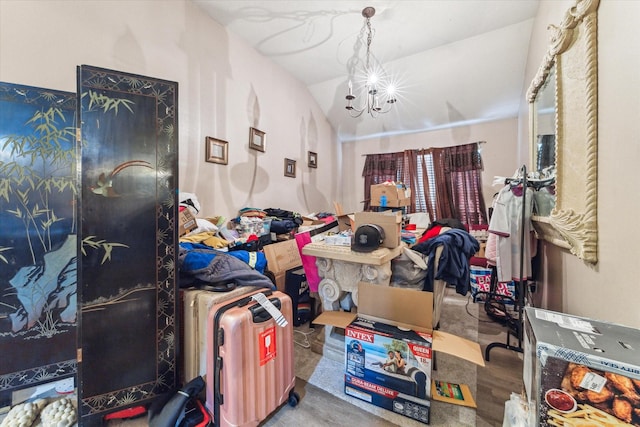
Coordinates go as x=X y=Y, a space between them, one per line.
x=250 y=368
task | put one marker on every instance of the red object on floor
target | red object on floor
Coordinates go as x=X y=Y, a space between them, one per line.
x=126 y=413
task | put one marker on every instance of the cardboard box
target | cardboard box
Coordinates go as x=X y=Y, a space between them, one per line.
x=186 y=222
x=390 y=221
x=394 y=318
x=307 y=222
x=281 y=257
x=338 y=240
x=587 y=359
x=345 y=221
x=395 y=197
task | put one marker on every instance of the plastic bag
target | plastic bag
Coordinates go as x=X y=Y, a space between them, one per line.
x=409 y=270
x=516 y=412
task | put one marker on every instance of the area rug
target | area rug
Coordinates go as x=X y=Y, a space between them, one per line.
x=459 y=318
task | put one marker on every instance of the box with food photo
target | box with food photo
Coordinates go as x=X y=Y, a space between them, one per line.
x=581 y=372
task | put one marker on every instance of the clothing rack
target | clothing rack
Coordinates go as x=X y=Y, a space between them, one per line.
x=521 y=285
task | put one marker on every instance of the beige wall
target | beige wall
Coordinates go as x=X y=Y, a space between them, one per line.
x=499 y=154
x=609 y=290
x=224 y=88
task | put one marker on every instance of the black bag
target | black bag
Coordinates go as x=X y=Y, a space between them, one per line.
x=297 y=287
x=171 y=412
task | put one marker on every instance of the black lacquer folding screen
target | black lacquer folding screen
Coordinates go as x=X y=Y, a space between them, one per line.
x=127 y=329
x=38 y=235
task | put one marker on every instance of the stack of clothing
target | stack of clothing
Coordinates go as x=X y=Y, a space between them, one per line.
x=458 y=246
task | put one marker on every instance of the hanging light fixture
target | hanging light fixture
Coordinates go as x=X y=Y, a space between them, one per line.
x=377 y=94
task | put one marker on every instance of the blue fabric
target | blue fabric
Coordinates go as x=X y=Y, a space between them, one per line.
x=199 y=260
x=200 y=264
x=458 y=246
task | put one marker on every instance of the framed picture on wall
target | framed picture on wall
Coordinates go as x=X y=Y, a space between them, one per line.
x=312 y=159
x=217 y=151
x=290 y=168
x=257 y=140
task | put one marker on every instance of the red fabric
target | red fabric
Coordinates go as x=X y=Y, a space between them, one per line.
x=328 y=219
x=479 y=261
x=432 y=232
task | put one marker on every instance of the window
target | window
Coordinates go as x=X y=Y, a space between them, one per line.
x=445 y=182
x=421 y=195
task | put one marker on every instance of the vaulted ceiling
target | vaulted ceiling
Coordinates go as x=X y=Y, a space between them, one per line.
x=455 y=61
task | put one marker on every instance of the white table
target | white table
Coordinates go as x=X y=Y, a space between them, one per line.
x=341 y=269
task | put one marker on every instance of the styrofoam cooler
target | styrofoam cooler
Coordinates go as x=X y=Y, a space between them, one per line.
x=196 y=306
x=250 y=365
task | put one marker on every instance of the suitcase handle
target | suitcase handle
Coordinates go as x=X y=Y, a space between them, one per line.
x=259 y=313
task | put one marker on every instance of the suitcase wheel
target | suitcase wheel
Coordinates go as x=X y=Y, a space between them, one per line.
x=294 y=398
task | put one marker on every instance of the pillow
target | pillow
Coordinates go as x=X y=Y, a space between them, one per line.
x=203 y=225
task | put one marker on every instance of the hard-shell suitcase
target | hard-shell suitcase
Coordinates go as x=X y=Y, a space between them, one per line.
x=196 y=305
x=250 y=367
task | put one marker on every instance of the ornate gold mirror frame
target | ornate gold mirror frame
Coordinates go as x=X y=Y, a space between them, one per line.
x=572 y=224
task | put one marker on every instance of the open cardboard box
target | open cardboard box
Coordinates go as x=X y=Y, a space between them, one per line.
x=390 y=221
x=307 y=221
x=395 y=197
x=186 y=222
x=345 y=221
x=388 y=313
x=281 y=257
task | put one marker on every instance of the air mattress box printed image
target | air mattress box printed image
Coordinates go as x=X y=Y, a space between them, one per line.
x=389 y=367
x=580 y=371
x=388 y=349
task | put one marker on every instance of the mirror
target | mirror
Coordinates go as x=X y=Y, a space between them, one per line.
x=544 y=128
x=572 y=58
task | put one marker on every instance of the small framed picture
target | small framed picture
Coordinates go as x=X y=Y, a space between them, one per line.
x=257 y=140
x=312 y=159
x=290 y=168
x=217 y=151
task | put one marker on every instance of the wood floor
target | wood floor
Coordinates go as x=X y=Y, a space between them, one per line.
x=501 y=376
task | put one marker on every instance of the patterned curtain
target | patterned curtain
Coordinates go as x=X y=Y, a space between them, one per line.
x=379 y=168
x=450 y=186
x=462 y=170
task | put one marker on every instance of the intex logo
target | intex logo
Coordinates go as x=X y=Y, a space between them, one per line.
x=360 y=335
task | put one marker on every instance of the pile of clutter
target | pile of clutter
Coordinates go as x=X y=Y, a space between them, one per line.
x=252 y=226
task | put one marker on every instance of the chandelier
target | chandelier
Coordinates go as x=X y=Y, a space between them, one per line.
x=377 y=94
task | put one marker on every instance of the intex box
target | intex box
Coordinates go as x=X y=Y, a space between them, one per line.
x=394 y=319
x=587 y=368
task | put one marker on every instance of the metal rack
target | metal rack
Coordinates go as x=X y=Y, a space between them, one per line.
x=521 y=285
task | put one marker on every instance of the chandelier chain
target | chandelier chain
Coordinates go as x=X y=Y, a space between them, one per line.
x=372 y=101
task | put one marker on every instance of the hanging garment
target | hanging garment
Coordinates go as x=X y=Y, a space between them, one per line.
x=507 y=223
